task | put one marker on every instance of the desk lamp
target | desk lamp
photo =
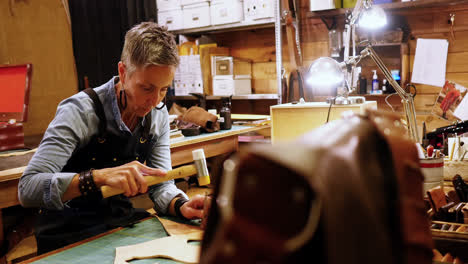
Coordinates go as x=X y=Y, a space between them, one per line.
x=327 y=70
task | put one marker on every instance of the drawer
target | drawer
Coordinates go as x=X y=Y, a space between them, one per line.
x=259 y=9
x=195 y=16
x=171 y=18
x=163 y=5
x=225 y=12
x=192 y=2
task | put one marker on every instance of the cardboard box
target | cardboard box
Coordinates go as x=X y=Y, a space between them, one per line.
x=226 y=11
x=232 y=85
x=164 y=5
x=172 y=19
x=290 y=121
x=196 y=15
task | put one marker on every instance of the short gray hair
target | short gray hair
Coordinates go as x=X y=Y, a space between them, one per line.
x=148 y=44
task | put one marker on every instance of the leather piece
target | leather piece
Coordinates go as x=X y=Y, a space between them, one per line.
x=201 y=117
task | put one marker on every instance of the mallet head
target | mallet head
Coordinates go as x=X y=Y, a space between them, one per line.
x=202 y=170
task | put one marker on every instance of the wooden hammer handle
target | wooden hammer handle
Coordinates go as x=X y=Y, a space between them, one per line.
x=181 y=172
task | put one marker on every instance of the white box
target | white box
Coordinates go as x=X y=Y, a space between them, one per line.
x=181 y=88
x=226 y=11
x=171 y=18
x=192 y=2
x=317 y=5
x=258 y=9
x=196 y=86
x=195 y=16
x=229 y=85
x=164 y=5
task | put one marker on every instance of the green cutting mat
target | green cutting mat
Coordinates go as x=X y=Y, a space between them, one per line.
x=102 y=250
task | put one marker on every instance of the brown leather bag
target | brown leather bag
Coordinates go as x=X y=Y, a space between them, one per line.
x=347 y=192
x=201 y=117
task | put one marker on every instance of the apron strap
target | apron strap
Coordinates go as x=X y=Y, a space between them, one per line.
x=147 y=126
x=99 y=112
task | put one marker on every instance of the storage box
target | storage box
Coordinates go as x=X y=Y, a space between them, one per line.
x=226 y=11
x=317 y=5
x=192 y=2
x=290 y=121
x=197 y=15
x=164 y=5
x=232 y=85
x=258 y=9
x=172 y=19
x=222 y=65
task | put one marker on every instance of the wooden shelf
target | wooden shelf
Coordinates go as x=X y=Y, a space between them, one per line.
x=235 y=97
x=400 y=6
x=239 y=26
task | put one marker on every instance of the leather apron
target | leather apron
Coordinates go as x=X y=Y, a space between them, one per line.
x=86 y=216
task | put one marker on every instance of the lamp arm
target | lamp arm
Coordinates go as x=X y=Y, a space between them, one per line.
x=406 y=98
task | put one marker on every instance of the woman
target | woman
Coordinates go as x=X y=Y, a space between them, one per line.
x=102 y=137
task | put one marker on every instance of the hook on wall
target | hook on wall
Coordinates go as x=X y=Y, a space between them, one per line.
x=451 y=21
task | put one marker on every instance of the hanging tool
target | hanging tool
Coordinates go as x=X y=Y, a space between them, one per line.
x=452 y=24
x=198 y=168
x=291 y=17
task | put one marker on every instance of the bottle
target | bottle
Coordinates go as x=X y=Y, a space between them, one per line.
x=375 y=82
x=384 y=86
x=362 y=84
x=225 y=114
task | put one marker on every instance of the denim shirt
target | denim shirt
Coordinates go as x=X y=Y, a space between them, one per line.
x=43 y=184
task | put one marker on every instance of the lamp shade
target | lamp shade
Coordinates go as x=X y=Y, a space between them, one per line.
x=325 y=72
x=373 y=18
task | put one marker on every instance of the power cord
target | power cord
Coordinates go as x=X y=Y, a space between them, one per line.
x=386 y=101
x=329 y=109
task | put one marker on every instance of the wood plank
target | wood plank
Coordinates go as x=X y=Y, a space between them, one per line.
x=257 y=45
x=183 y=154
x=456 y=62
x=425 y=102
x=264 y=70
x=314 y=50
x=7 y=175
x=441 y=18
x=460 y=78
x=31 y=32
x=9 y=193
x=459 y=45
x=262 y=86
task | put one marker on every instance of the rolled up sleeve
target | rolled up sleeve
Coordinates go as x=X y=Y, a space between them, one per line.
x=42 y=183
x=160 y=157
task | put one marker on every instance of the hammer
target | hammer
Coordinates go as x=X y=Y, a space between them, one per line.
x=198 y=167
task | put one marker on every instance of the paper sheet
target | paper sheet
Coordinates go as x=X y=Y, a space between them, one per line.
x=461 y=111
x=430 y=62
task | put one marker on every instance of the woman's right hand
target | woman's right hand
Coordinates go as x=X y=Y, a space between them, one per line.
x=128 y=177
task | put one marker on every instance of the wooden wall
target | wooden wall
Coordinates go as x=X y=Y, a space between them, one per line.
x=259 y=46
x=38 y=32
x=431 y=22
x=424 y=23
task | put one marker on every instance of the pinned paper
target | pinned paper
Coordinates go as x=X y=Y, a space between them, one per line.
x=430 y=62
x=451 y=104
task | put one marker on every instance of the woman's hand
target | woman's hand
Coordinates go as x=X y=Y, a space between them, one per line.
x=195 y=207
x=128 y=177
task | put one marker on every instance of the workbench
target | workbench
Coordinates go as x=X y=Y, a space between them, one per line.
x=214 y=144
x=101 y=248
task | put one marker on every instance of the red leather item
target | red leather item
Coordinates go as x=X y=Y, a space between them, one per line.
x=11 y=136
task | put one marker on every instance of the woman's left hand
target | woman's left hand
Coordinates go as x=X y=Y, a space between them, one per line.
x=194 y=208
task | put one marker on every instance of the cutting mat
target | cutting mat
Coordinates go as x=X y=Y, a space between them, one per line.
x=102 y=250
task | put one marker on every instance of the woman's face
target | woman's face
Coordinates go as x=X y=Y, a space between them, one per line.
x=145 y=87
